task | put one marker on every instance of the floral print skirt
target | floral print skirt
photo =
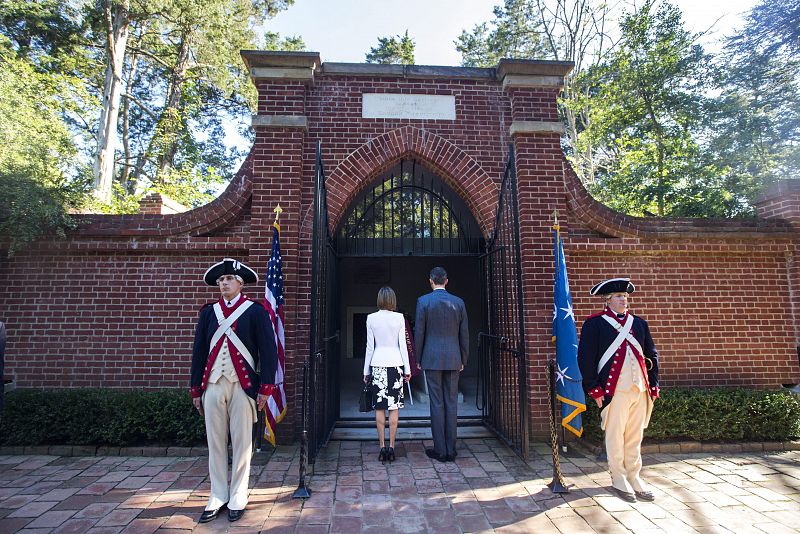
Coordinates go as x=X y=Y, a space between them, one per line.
x=388 y=384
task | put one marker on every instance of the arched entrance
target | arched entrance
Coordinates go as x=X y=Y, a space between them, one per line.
x=403 y=223
x=407 y=221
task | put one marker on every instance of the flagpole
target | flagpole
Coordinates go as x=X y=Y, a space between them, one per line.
x=562 y=438
x=303 y=491
x=557 y=484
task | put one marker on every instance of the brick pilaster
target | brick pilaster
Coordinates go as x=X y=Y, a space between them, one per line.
x=283 y=80
x=782 y=201
x=532 y=88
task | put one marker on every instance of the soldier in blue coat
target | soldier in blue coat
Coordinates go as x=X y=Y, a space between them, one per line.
x=619 y=365
x=441 y=339
x=233 y=371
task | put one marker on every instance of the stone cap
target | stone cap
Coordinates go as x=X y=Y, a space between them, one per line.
x=159 y=203
x=303 y=65
x=780 y=189
x=533 y=67
x=406 y=71
x=268 y=58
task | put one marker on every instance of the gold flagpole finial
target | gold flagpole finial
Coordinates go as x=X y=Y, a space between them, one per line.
x=555 y=220
x=278 y=210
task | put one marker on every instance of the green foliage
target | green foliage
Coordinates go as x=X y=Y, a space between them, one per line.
x=40 y=174
x=184 y=83
x=395 y=50
x=647 y=108
x=515 y=32
x=100 y=417
x=47 y=32
x=716 y=415
x=654 y=124
x=756 y=123
x=773 y=28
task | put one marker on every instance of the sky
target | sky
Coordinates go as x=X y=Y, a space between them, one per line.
x=345 y=30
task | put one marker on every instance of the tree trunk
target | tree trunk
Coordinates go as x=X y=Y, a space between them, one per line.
x=117 y=30
x=171 y=115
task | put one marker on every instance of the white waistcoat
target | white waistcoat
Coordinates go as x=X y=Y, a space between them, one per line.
x=223 y=366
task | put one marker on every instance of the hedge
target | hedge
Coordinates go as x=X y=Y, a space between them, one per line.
x=124 y=418
x=716 y=415
x=100 y=417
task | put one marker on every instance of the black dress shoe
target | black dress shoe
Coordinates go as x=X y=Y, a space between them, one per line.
x=624 y=495
x=645 y=496
x=383 y=454
x=449 y=458
x=210 y=515
x=390 y=454
x=433 y=455
x=235 y=515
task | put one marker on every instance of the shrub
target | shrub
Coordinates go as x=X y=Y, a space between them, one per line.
x=100 y=417
x=716 y=415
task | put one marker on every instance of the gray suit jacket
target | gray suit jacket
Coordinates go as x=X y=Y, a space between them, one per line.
x=441 y=333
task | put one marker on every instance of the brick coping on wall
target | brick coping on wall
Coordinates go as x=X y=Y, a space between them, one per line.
x=672 y=447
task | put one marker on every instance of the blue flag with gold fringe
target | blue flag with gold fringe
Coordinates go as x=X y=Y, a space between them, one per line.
x=569 y=389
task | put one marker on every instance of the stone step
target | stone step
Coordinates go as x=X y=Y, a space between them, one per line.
x=360 y=430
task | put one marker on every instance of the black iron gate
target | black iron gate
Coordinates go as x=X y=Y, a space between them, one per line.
x=322 y=397
x=503 y=367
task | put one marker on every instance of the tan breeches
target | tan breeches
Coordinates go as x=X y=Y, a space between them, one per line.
x=624 y=421
x=226 y=407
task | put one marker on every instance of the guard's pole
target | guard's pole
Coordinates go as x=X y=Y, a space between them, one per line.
x=302 y=491
x=557 y=484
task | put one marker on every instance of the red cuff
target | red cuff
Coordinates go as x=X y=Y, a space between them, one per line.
x=654 y=392
x=195 y=392
x=597 y=393
x=266 y=389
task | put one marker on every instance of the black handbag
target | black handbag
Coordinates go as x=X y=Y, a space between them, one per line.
x=366 y=401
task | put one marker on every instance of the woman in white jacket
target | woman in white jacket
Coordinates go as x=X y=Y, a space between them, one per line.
x=386 y=364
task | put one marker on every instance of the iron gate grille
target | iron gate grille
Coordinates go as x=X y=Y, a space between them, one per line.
x=502 y=343
x=322 y=397
x=409 y=211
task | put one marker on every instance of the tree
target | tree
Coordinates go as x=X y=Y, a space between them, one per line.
x=155 y=110
x=515 y=32
x=116 y=18
x=395 y=50
x=646 y=108
x=773 y=28
x=185 y=79
x=756 y=129
x=563 y=30
x=40 y=174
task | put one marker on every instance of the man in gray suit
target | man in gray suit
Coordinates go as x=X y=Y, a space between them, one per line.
x=441 y=337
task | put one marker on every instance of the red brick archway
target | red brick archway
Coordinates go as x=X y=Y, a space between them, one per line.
x=454 y=166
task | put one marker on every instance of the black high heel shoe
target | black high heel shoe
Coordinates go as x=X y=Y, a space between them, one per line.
x=383 y=454
x=390 y=454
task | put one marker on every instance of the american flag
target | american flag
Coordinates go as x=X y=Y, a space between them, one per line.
x=275 y=408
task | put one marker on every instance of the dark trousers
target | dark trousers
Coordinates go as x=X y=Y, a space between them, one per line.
x=443 y=395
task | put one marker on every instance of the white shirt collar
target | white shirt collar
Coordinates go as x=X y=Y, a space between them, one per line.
x=233 y=301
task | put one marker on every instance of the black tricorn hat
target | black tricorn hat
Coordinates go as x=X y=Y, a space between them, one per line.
x=229 y=266
x=613 y=285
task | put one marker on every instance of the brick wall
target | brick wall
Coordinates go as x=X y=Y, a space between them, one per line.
x=115 y=304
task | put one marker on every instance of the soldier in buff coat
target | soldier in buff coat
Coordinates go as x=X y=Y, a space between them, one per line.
x=233 y=371
x=619 y=364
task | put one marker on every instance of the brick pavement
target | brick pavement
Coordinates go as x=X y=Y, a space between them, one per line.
x=487 y=489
